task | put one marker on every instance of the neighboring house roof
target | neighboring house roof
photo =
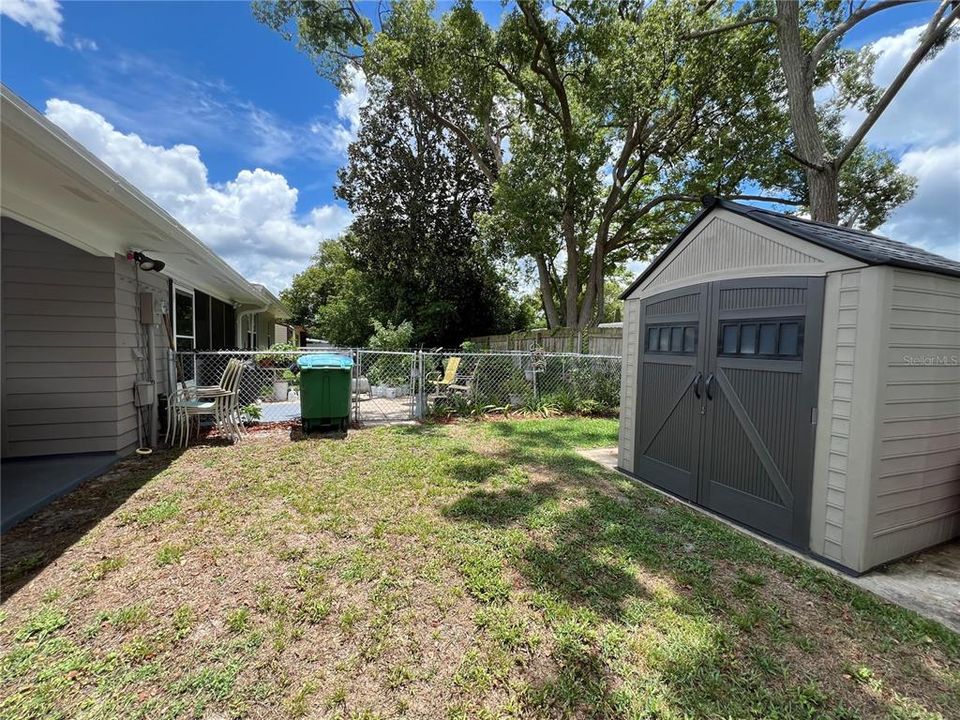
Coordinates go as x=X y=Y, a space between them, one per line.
x=867 y=247
x=51 y=182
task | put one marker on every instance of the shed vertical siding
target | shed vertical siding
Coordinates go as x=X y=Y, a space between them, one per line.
x=916 y=491
x=628 y=384
x=60 y=353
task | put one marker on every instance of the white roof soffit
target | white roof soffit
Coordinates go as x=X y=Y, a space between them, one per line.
x=51 y=182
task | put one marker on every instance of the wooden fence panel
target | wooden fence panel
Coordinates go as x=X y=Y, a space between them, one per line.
x=595 y=341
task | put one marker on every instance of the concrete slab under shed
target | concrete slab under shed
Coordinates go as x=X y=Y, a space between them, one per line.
x=927 y=583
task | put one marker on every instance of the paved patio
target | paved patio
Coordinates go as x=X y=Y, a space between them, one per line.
x=927 y=583
x=372 y=410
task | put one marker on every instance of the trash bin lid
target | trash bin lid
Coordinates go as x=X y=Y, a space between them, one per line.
x=324 y=362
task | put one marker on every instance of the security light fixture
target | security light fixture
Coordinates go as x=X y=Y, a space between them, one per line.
x=145 y=263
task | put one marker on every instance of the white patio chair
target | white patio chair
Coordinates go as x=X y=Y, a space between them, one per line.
x=219 y=401
x=189 y=392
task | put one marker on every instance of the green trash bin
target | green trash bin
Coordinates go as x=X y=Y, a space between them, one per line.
x=325 y=391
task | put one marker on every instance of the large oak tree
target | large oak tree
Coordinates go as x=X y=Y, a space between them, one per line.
x=595 y=125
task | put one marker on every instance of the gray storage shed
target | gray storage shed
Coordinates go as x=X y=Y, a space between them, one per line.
x=801 y=379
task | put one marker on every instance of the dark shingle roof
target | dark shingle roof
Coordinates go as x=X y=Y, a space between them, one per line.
x=864 y=246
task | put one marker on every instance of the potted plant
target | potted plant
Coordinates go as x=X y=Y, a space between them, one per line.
x=277 y=355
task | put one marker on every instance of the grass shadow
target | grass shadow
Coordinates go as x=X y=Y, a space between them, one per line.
x=38 y=541
x=604 y=556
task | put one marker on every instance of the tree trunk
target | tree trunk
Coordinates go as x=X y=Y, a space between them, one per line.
x=546 y=293
x=821 y=174
x=824 y=188
x=572 y=293
x=593 y=294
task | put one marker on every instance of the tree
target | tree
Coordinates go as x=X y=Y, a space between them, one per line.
x=807 y=38
x=330 y=297
x=415 y=195
x=595 y=125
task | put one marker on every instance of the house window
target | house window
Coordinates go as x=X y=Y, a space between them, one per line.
x=673 y=339
x=184 y=328
x=762 y=338
x=253 y=321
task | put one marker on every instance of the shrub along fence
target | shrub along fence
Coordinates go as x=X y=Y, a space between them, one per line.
x=391 y=386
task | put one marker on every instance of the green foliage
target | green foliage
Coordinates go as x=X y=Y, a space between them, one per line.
x=416 y=193
x=616 y=123
x=331 y=297
x=252 y=412
x=387 y=336
x=281 y=355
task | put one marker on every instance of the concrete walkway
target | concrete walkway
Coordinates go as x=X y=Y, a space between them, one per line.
x=927 y=583
x=30 y=483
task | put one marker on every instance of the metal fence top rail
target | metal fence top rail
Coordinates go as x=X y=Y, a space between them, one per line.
x=438 y=351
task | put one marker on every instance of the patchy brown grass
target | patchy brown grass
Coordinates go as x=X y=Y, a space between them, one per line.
x=464 y=570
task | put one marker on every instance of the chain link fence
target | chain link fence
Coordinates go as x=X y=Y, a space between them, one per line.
x=390 y=386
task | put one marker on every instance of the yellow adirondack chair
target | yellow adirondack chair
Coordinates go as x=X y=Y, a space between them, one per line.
x=451 y=379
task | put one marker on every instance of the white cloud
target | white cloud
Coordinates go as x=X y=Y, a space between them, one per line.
x=82 y=44
x=164 y=104
x=922 y=127
x=926 y=111
x=338 y=136
x=932 y=219
x=251 y=220
x=44 y=16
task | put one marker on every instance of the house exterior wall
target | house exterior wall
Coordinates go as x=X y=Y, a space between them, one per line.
x=628 y=384
x=914 y=498
x=726 y=246
x=131 y=340
x=61 y=357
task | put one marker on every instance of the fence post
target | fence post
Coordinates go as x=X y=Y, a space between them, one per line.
x=418 y=409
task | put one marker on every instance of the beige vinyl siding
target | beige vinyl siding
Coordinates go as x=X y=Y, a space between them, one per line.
x=847 y=415
x=726 y=245
x=916 y=490
x=628 y=384
x=60 y=355
x=129 y=284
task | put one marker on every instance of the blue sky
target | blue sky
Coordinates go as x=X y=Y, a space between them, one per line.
x=229 y=127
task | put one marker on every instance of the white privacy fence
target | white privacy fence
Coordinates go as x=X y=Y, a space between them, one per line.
x=389 y=386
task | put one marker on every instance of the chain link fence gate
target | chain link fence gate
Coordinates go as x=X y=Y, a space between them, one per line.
x=392 y=386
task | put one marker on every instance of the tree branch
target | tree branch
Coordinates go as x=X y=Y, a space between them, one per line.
x=732 y=26
x=931 y=38
x=767 y=198
x=861 y=14
x=805 y=163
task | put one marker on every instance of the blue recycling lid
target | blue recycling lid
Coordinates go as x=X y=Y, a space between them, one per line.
x=324 y=362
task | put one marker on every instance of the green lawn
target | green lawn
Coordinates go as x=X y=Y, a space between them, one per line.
x=480 y=569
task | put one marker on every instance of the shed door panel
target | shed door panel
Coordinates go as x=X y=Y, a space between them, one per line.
x=668 y=410
x=758 y=434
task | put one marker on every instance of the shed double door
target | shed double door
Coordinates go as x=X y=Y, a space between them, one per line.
x=726 y=398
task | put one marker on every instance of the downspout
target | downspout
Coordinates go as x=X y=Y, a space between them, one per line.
x=240 y=316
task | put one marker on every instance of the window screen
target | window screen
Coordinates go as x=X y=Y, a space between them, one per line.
x=765 y=339
x=202 y=318
x=184 y=329
x=674 y=339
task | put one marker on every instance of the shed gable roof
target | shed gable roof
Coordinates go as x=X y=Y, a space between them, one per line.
x=863 y=246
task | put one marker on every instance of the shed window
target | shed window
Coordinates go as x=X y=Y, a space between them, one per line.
x=768 y=339
x=674 y=339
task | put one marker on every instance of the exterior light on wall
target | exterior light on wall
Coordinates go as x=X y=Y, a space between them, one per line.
x=145 y=263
